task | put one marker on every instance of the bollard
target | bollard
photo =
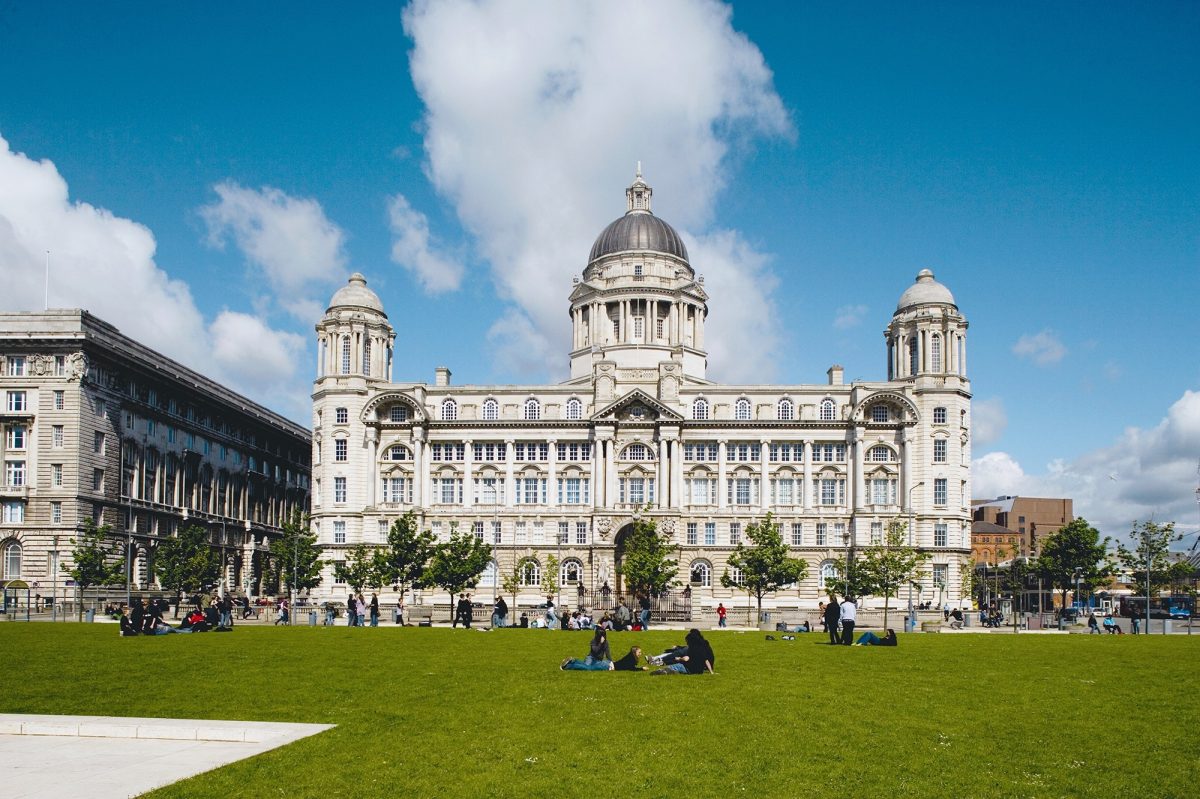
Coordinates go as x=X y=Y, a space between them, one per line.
x=312 y=618
x=89 y=615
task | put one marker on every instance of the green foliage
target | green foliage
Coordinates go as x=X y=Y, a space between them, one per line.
x=550 y=577
x=187 y=562
x=98 y=558
x=297 y=558
x=1076 y=547
x=645 y=564
x=886 y=567
x=766 y=565
x=404 y=560
x=1153 y=550
x=361 y=569
x=457 y=563
x=511 y=584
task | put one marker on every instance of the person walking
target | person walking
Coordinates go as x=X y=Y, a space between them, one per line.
x=500 y=613
x=458 y=611
x=351 y=611
x=468 y=612
x=833 y=613
x=374 y=609
x=849 y=614
x=721 y=614
x=644 y=604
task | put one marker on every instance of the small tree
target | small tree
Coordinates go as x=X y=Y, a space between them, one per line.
x=1074 y=549
x=186 y=562
x=404 y=560
x=644 y=563
x=887 y=566
x=1151 y=555
x=297 y=555
x=766 y=565
x=550 y=578
x=361 y=569
x=96 y=557
x=511 y=584
x=457 y=563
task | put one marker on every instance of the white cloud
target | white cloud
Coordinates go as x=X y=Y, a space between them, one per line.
x=534 y=122
x=289 y=238
x=849 y=316
x=1044 y=348
x=105 y=264
x=988 y=419
x=413 y=249
x=1144 y=474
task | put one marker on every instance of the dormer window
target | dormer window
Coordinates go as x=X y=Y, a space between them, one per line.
x=827 y=410
x=637 y=272
x=491 y=410
x=700 y=409
x=741 y=409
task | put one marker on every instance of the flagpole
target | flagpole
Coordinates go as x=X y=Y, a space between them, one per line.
x=47 y=303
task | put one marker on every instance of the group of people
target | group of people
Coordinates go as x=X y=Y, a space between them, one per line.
x=1110 y=625
x=145 y=617
x=358 y=611
x=694 y=656
x=839 y=619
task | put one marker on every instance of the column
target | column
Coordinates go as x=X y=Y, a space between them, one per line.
x=764 y=486
x=373 y=467
x=468 y=471
x=597 y=473
x=552 y=476
x=662 y=496
x=806 y=490
x=420 y=472
x=610 y=476
x=509 y=487
x=722 y=494
x=859 y=486
x=676 y=473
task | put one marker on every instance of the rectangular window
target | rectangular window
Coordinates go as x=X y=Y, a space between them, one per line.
x=97 y=479
x=574 y=452
x=784 y=491
x=447 y=453
x=477 y=530
x=15 y=438
x=16 y=401
x=581 y=532
x=531 y=490
x=830 y=491
x=531 y=452
x=639 y=327
x=60 y=400
x=14 y=512
x=539 y=533
x=339 y=489
x=710 y=534
x=56 y=513
x=340 y=447
x=787 y=453
x=941 y=573
x=339 y=532
x=564 y=532
x=797 y=534
x=14 y=473
x=56 y=478
x=939 y=535
x=839 y=534
x=397 y=490
x=489 y=491
x=636 y=490
x=743 y=453
x=883 y=491
x=60 y=365
x=876 y=533
x=822 y=533
x=939 y=415
x=497 y=534
x=939 y=491
x=692 y=534
x=448 y=490
x=522 y=532
x=735 y=533
x=700 y=453
x=16 y=366
x=939 y=450
x=383 y=529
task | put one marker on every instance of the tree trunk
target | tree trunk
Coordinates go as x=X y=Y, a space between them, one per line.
x=886 y=597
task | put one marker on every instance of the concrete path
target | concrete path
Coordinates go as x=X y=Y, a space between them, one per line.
x=107 y=757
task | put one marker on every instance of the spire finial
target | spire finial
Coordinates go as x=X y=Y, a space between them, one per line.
x=639 y=170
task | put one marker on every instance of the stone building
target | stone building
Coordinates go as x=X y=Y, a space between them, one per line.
x=638 y=429
x=97 y=425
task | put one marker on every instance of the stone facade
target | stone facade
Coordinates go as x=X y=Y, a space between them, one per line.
x=97 y=425
x=638 y=429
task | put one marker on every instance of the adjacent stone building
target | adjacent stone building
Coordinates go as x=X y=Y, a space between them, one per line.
x=97 y=425
x=639 y=429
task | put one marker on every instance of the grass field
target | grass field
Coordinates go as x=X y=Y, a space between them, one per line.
x=456 y=713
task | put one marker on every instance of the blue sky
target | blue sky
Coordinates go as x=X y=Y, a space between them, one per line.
x=208 y=175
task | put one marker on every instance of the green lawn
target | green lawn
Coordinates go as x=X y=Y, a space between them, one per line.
x=455 y=713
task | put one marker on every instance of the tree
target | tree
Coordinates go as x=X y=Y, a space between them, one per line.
x=457 y=563
x=765 y=564
x=186 y=562
x=404 y=560
x=361 y=570
x=1153 y=553
x=297 y=556
x=1075 y=549
x=550 y=577
x=644 y=563
x=511 y=584
x=1013 y=580
x=97 y=559
x=887 y=566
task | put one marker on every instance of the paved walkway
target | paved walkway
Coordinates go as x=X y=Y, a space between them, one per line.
x=49 y=757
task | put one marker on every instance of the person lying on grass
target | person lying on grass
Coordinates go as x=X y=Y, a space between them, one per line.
x=871 y=639
x=599 y=658
x=698 y=660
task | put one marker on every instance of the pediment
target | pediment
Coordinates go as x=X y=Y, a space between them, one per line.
x=637 y=406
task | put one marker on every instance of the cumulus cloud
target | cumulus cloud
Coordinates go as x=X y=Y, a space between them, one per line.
x=1044 y=348
x=289 y=239
x=849 y=316
x=413 y=249
x=1145 y=473
x=988 y=419
x=105 y=264
x=533 y=124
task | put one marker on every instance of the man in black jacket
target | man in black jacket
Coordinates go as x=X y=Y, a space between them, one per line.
x=833 y=614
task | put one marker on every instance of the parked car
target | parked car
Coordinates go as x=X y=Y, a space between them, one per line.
x=1180 y=613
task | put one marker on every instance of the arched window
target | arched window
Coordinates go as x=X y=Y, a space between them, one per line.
x=531 y=573
x=491 y=410
x=366 y=364
x=399 y=452
x=935 y=353
x=827 y=410
x=572 y=572
x=574 y=409
x=787 y=410
x=879 y=454
x=489 y=577
x=637 y=452
x=741 y=409
x=700 y=409
x=829 y=572
x=735 y=575
x=880 y=413
x=398 y=413
x=449 y=410
x=12 y=561
x=914 y=356
x=345 y=355
x=701 y=574
x=533 y=410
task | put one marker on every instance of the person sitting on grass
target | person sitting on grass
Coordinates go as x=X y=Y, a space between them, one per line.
x=630 y=661
x=698 y=660
x=127 y=626
x=599 y=656
x=871 y=639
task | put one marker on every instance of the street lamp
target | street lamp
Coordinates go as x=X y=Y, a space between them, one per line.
x=848 y=542
x=1078 y=574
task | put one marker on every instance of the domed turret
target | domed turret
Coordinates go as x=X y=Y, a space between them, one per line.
x=355 y=294
x=924 y=291
x=354 y=338
x=639 y=230
x=928 y=334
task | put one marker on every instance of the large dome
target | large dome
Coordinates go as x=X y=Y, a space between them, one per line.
x=638 y=230
x=926 y=290
x=355 y=294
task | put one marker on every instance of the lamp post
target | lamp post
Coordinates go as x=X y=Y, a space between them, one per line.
x=848 y=542
x=54 y=581
x=1078 y=574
